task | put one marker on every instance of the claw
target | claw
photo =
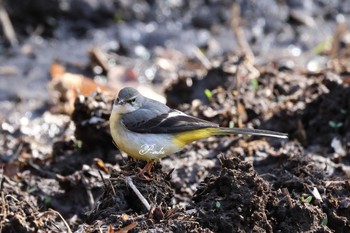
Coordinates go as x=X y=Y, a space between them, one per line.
x=146 y=170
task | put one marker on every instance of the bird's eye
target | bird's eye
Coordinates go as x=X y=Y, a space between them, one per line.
x=116 y=101
x=130 y=101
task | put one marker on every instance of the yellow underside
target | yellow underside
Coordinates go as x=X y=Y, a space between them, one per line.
x=184 y=138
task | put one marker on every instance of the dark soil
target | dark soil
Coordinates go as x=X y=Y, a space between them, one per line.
x=61 y=172
x=254 y=185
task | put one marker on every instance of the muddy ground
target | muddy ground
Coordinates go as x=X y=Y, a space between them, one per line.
x=62 y=173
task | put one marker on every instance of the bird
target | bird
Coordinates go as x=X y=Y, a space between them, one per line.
x=149 y=130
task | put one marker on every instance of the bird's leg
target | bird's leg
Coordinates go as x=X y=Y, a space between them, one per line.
x=146 y=170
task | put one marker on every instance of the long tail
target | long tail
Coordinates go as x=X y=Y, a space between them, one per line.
x=183 y=138
x=259 y=132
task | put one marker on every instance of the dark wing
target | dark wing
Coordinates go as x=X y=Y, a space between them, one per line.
x=172 y=121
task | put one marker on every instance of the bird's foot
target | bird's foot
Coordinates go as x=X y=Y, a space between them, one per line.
x=146 y=171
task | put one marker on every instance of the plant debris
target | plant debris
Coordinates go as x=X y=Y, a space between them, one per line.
x=61 y=172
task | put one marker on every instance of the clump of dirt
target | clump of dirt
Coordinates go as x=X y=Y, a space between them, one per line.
x=190 y=86
x=91 y=136
x=235 y=200
x=91 y=119
x=20 y=212
x=238 y=200
x=327 y=116
x=122 y=202
x=296 y=176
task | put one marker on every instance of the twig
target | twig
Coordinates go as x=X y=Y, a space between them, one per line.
x=239 y=33
x=110 y=229
x=7 y=26
x=112 y=187
x=88 y=192
x=339 y=33
x=268 y=225
x=127 y=228
x=103 y=179
x=41 y=171
x=2 y=178
x=100 y=58
x=51 y=211
x=12 y=197
x=15 y=199
x=4 y=210
x=286 y=194
x=137 y=192
x=201 y=57
x=335 y=182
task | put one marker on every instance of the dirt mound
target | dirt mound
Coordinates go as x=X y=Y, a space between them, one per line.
x=238 y=200
x=152 y=209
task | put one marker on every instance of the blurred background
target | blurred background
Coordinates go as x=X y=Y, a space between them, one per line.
x=275 y=64
x=149 y=40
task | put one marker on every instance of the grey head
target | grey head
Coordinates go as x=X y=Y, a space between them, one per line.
x=128 y=100
x=127 y=94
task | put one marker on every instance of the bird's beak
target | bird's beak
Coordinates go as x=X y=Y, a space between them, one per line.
x=121 y=102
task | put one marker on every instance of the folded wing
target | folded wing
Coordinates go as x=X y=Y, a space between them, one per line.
x=172 y=121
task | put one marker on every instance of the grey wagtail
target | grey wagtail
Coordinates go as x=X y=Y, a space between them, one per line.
x=149 y=130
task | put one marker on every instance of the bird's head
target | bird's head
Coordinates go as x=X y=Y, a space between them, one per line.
x=128 y=100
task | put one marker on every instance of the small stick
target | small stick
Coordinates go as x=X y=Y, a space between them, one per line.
x=112 y=187
x=2 y=177
x=239 y=33
x=100 y=58
x=137 y=192
x=127 y=228
x=202 y=58
x=339 y=33
x=88 y=192
x=103 y=179
x=9 y=32
x=51 y=211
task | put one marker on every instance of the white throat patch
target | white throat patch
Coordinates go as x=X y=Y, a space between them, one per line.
x=125 y=108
